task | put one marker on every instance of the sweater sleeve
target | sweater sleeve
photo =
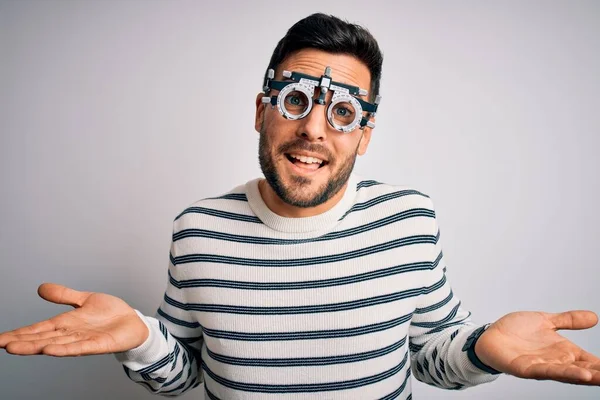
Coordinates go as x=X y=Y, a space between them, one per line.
x=439 y=330
x=168 y=362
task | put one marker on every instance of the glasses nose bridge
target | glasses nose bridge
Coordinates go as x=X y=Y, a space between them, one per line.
x=318 y=100
x=322 y=96
x=315 y=124
x=320 y=105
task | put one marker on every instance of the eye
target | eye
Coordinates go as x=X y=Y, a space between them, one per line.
x=342 y=111
x=295 y=99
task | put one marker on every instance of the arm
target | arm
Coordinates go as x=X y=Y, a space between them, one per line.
x=439 y=330
x=168 y=362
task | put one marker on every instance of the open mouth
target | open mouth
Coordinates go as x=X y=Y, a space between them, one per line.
x=309 y=163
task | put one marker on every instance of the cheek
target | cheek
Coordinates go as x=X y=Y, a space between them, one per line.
x=278 y=133
x=345 y=150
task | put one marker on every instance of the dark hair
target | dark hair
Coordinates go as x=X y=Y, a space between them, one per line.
x=333 y=35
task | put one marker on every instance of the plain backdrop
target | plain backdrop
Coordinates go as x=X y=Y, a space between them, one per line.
x=116 y=115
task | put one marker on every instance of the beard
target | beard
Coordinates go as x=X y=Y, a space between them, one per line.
x=297 y=192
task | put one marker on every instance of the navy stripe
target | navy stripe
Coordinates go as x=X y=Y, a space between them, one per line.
x=307 y=335
x=177 y=321
x=454 y=334
x=163 y=329
x=220 y=214
x=415 y=348
x=149 y=387
x=307 y=387
x=447 y=318
x=309 y=309
x=187 y=341
x=147 y=378
x=397 y=392
x=230 y=196
x=204 y=233
x=178 y=388
x=434 y=381
x=381 y=199
x=435 y=306
x=307 y=361
x=210 y=394
x=420 y=368
x=157 y=365
x=446 y=326
x=175 y=378
x=398 y=269
x=298 y=262
x=175 y=355
x=366 y=183
x=145 y=384
x=438 y=373
x=437 y=261
x=182 y=387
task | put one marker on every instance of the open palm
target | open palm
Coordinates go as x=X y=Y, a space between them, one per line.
x=526 y=344
x=99 y=324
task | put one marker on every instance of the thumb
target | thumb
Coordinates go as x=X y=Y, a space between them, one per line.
x=60 y=294
x=576 y=319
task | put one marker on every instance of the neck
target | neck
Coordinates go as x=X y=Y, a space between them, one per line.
x=284 y=209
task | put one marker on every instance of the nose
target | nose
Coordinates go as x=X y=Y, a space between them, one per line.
x=313 y=127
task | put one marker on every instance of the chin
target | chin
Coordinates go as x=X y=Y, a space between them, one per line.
x=303 y=194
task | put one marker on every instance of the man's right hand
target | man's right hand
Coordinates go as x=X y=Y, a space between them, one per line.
x=99 y=324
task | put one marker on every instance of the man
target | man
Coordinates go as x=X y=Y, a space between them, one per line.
x=312 y=282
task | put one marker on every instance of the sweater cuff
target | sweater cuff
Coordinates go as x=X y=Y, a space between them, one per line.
x=469 y=349
x=153 y=349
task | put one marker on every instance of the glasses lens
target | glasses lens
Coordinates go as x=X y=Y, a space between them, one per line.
x=295 y=103
x=343 y=113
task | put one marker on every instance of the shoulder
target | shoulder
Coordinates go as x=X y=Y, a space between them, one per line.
x=231 y=205
x=373 y=192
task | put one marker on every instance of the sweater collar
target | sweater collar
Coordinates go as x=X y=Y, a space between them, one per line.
x=323 y=221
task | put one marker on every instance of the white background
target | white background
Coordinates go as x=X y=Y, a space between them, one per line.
x=116 y=115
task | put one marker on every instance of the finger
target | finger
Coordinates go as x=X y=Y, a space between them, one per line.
x=36 y=346
x=577 y=319
x=595 y=371
x=590 y=366
x=559 y=372
x=79 y=348
x=585 y=356
x=32 y=337
x=595 y=378
x=62 y=295
x=39 y=327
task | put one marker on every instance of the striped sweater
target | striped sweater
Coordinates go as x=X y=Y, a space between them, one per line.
x=347 y=304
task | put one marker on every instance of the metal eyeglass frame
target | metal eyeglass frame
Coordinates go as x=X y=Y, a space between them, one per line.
x=307 y=84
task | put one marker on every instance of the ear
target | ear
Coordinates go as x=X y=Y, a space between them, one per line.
x=365 y=139
x=260 y=111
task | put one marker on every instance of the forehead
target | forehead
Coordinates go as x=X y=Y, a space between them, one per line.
x=344 y=68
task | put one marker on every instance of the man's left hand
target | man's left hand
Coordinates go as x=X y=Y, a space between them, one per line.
x=525 y=344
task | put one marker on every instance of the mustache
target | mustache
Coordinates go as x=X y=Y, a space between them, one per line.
x=301 y=144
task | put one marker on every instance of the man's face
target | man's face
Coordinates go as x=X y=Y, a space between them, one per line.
x=285 y=144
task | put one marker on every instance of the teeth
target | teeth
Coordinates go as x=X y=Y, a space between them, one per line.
x=308 y=160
